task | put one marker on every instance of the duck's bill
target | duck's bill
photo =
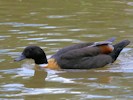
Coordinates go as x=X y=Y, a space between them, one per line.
x=21 y=57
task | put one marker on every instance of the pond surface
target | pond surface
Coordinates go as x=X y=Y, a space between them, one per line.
x=53 y=24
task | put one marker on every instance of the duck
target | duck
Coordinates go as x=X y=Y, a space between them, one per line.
x=87 y=55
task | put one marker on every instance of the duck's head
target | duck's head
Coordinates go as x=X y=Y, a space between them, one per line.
x=35 y=53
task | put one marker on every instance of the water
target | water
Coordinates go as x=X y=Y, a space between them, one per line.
x=56 y=24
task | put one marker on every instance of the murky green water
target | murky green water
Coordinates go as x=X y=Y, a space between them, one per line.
x=53 y=24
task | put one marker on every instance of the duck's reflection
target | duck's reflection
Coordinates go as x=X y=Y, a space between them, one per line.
x=38 y=78
x=42 y=76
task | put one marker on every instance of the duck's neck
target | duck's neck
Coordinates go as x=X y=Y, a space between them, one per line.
x=52 y=64
x=41 y=60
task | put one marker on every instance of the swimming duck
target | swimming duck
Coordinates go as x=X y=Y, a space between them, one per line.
x=78 y=56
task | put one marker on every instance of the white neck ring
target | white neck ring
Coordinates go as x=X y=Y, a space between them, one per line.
x=43 y=65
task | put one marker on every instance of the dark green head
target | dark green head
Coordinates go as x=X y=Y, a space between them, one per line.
x=35 y=53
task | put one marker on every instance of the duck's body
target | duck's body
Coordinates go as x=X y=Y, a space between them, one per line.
x=79 y=56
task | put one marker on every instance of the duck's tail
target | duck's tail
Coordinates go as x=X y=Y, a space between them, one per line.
x=118 y=48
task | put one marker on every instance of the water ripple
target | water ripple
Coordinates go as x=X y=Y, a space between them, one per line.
x=16 y=24
x=60 y=40
x=91 y=96
x=130 y=3
x=32 y=91
x=34 y=39
x=59 y=16
x=12 y=87
x=4 y=37
x=49 y=27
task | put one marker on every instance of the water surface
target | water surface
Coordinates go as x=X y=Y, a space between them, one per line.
x=56 y=24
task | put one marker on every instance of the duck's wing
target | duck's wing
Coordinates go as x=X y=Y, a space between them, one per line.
x=82 y=45
x=92 y=50
x=83 y=52
x=72 y=47
x=109 y=41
